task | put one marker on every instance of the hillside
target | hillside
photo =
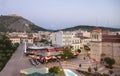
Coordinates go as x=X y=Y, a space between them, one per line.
x=88 y=28
x=17 y=24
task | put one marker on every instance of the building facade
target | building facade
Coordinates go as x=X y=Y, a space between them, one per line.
x=66 y=38
x=103 y=44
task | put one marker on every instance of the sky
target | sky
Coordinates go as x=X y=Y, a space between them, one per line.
x=58 y=14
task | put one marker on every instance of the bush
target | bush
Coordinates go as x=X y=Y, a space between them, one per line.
x=7 y=49
x=95 y=68
x=89 y=69
x=78 y=50
x=109 y=61
x=79 y=65
x=110 y=71
x=55 y=69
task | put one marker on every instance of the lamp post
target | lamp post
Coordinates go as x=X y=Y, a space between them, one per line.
x=25 y=41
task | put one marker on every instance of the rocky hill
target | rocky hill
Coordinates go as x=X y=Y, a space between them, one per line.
x=13 y=23
x=17 y=24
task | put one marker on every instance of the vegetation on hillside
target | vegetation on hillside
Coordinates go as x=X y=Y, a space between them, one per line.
x=88 y=28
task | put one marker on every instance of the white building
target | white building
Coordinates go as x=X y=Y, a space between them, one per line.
x=44 y=35
x=15 y=39
x=19 y=37
x=66 y=38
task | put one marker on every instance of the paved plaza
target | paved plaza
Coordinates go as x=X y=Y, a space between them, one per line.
x=19 y=61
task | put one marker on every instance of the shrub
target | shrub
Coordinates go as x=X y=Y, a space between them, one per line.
x=95 y=68
x=55 y=69
x=109 y=61
x=110 y=71
x=78 y=50
x=79 y=65
x=89 y=69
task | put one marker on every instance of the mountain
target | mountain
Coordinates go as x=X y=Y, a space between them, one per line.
x=17 y=24
x=88 y=28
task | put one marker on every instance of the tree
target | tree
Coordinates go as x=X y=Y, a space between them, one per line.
x=86 y=48
x=109 y=61
x=67 y=54
x=110 y=71
x=5 y=44
x=79 y=65
x=44 y=41
x=55 y=69
x=89 y=69
x=15 y=45
x=95 y=69
x=78 y=50
x=6 y=50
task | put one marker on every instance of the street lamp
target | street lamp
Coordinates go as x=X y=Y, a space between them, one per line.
x=25 y=27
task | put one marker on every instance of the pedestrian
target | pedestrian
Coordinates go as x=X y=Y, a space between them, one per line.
x=84 y=58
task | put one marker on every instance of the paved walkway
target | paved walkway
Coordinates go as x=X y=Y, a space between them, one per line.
x=16 y=63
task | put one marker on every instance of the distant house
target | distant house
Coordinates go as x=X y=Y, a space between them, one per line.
x=19 y=37
x=103 y=44
x=15 y=39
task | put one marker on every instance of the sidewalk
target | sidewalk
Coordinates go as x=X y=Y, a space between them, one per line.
x=16 y=63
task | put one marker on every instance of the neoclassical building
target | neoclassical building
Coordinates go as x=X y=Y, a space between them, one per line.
x=103 y=44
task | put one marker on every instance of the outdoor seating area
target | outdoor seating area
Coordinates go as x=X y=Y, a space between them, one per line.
x=43 y=60
x=43 y=55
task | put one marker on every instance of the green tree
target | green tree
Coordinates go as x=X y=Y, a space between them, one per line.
x=67 y=54
x=87 y=49
x=44 y=41
x=109 y=61
x=79 y=65
x=89 y=69
x=6 y=50
x=78 y=50
x=95 y=68
x=110 y=71
x=15 y=45
x=5 y=44
x=55 y=69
